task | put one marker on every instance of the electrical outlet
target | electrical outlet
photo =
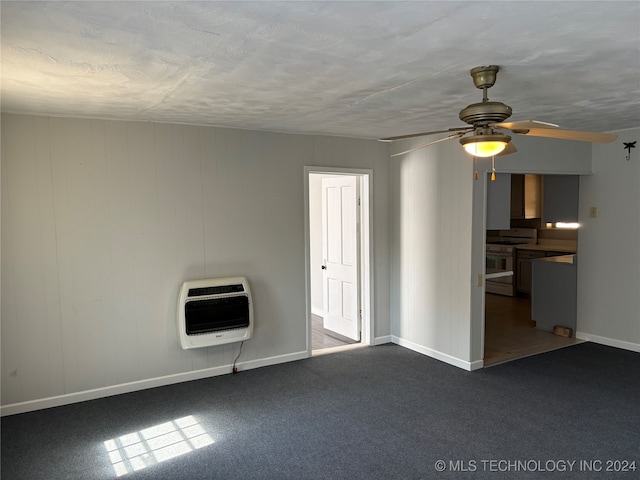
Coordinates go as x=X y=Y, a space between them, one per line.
x=593 y=212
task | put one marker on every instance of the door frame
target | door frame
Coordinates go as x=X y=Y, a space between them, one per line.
x=365 y=289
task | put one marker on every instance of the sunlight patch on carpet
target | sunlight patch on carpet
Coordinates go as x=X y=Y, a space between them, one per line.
x=142 y=449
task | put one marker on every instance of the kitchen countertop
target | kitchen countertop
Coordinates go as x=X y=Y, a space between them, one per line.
x=547 y=247
x=567 y=259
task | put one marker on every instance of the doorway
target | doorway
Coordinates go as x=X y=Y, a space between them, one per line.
x=338 y=259
x=509 y=331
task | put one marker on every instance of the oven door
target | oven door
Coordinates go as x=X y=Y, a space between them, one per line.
x=500 y=263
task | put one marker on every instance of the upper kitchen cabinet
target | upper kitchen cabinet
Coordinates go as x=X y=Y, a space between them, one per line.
x=526 y=197
x=498 y=194
x=561 y=198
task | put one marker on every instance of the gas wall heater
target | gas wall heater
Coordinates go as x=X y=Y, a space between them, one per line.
x=214 y=312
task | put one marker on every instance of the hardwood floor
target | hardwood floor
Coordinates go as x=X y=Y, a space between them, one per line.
x=322 y=339
x=510 y=333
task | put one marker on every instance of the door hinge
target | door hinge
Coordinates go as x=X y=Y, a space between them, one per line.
x=358 y=201
x=360 y=313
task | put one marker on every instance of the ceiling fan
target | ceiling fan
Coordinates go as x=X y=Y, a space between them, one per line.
x=486 y=125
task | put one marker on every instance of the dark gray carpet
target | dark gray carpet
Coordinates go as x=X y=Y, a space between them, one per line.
x=373 y=413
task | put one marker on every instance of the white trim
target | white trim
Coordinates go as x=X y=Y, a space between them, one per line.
x=95 y=393
x=476 y=365
x=317 y=311
x=307 y=261
x=443 y=357
x=382 y=340
x=366 y=259
x=611 y=342
x=367 y=273
x=481 y=276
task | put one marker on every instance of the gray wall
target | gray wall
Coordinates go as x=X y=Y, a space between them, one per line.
x=103 y=220
x=544 y=155
x=438 y=240
x=609 y=247
x=431 y=251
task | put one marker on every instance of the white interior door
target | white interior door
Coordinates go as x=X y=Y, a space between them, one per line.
x=340 y=267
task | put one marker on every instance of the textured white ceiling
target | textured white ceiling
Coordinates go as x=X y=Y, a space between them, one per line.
x=365 y=69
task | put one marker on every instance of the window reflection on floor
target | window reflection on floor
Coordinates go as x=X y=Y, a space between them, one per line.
x=138 y=450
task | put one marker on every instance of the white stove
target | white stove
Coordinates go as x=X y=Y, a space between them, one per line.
x=501 y=259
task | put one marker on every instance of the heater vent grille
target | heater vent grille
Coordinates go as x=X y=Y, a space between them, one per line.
x=214 y=312
x=203 y=291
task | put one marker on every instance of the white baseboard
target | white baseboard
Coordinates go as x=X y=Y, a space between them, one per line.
x=476 y=365
x=76 y=397
x=443 y=357
x=610 y=342
x=382 y=340
x=317 y=311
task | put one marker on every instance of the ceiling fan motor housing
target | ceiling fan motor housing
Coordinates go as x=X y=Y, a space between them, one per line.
x=485 y=113
x=485 y=135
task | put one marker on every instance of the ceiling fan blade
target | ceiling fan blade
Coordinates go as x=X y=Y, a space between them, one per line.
x=569 y=135
x=400 y=137
x=450 y=137
x=508 y=150
x=524 y=125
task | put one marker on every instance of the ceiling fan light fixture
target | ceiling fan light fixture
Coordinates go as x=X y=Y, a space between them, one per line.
x=485 y=145
x=484 y=148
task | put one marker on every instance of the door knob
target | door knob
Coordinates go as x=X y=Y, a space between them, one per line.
x=324 y=267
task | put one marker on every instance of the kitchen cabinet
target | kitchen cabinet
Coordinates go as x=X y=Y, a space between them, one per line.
x=560 y=198
x=554 y=292
x=526 y=198
x=498 y=194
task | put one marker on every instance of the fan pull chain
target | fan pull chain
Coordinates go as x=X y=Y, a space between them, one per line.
x=475 y=167
x=493 y=168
